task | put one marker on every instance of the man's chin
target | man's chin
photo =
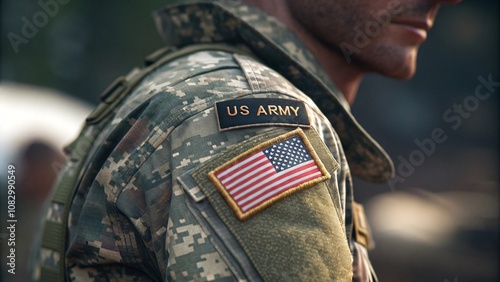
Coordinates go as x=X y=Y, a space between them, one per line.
x=403 y=73
x=396 y=71
x=402 y=68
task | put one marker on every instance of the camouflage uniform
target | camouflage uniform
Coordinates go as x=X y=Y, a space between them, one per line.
x=145 y=208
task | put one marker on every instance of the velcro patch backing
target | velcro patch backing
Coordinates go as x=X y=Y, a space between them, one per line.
x=248 y=112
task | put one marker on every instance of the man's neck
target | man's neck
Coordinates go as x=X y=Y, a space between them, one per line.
x=347 y=77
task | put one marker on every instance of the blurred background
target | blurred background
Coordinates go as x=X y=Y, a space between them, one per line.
x=438 y=222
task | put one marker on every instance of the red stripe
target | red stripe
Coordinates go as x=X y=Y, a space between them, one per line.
x=240 y=163
x=268 y=168
x=238 y=172
x=269 y=172
x=269 y=182
x=275 y=192
x=274 y=185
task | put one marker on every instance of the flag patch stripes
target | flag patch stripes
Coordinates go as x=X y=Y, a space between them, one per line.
x=268 y=172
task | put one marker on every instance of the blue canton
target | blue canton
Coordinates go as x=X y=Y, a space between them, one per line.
x=287 y=154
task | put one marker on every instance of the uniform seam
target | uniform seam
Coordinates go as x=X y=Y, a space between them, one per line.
x=248 y=71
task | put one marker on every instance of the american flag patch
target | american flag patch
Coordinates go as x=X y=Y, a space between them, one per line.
x=268 y=172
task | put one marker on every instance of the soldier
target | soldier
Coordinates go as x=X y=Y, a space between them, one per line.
x=231 y=158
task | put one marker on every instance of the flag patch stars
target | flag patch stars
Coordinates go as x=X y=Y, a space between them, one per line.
x=268 y=172
x=287 y=154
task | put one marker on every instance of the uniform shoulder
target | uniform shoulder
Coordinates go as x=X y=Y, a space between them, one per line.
x=216 y=71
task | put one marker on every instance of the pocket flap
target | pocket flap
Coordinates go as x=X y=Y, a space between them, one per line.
x=191 y=187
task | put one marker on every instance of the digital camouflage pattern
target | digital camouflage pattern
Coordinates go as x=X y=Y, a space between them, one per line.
x=140 y=212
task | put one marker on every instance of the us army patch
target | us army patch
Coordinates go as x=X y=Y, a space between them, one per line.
x=268 y=173
x=260 y=112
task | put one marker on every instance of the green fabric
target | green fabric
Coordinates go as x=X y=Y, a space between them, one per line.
x=52 y=235
x=278 y=239
x=61 y=196
x=51 y=274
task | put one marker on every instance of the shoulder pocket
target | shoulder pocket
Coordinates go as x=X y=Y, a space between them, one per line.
x=220 y=236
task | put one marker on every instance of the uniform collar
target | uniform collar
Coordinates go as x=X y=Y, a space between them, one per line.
x=232 y=22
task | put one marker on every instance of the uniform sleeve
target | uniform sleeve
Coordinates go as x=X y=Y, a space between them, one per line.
x=153 y=211
x=206 y=237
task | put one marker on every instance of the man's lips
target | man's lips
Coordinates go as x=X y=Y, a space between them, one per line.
x=416 y=28
x=416 y=23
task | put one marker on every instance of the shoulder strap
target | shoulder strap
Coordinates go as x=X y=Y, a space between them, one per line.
x=54 y=237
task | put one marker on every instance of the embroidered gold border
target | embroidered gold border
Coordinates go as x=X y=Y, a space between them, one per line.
x=245 y=215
